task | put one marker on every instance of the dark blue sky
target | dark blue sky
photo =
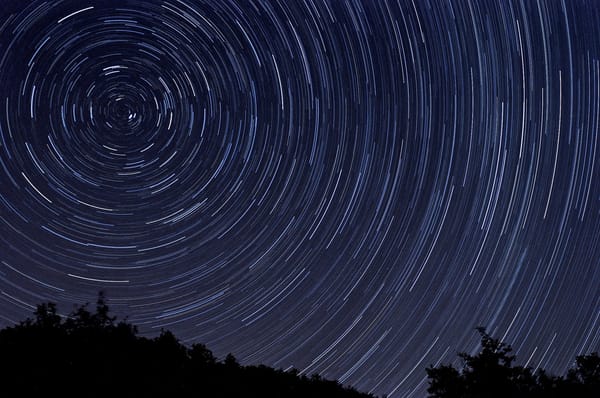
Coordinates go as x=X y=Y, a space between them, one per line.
x=347 y=188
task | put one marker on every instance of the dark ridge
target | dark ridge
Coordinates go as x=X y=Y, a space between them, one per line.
x=92 y=355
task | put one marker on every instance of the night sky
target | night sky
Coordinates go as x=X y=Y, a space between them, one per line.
x=344 y=187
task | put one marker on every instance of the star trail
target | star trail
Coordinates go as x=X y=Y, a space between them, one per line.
x=342 y=187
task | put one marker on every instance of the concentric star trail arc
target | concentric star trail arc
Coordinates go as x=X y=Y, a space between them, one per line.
x=347 y=188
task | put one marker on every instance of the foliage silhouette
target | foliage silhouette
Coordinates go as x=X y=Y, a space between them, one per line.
x=92 y=355
x=491 y=374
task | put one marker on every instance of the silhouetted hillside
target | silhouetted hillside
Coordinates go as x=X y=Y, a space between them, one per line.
x=93 y=355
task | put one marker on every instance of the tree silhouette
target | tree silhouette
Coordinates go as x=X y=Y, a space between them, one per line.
x=491 y=374
x=91 y=354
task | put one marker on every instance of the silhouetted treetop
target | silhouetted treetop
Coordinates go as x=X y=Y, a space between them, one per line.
x=491 y=374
